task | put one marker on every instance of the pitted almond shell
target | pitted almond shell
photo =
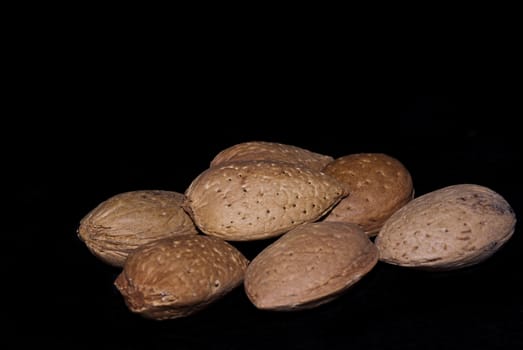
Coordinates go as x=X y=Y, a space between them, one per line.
x=252 y=200
x=128 y=220
x=309 y=266
x=178 y=276
x=379 y=185
x=450 y=228
x=272 y=151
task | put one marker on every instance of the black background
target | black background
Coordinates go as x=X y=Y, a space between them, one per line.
x=122 y=134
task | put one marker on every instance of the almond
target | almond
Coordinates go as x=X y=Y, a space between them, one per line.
x=272 y=151
x=450 y=228
x=128 y=220
x=178 y=276
x=308 y=266
x=251 y=200
x=379 y=185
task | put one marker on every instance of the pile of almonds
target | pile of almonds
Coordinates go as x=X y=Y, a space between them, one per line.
x=332 y=220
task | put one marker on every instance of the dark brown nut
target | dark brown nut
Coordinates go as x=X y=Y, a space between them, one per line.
x=128 y=220
x=272 y=151
x=252 y=200
x=379 y=185
x=447 y=229
x=309 y=266
x=178 y=276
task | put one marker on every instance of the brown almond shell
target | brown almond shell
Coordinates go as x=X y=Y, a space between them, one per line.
x=447 y=229
x=128 y=220
x=379 y=185
x=252 y=200
x=271 y=151
x=309 y=266
x=178 y=276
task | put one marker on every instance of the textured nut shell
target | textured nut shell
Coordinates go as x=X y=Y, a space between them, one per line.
x=379 y=185
x=272 y=151
x=175 y=277
x=128 y=220
x=258 y=199
x=308 y=266
x=450 y=228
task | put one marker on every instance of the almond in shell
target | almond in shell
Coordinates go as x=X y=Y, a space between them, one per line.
x=450 y=228
x=178 y=276
x=128 y=220
x=272 y=151
x=309 y=266
x=379 y=185
x=252 y=200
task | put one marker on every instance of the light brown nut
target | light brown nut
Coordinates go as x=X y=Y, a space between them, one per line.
x=308 y=266
x=272 y=151
x=178 y=276
x=251 y=200
x=450 y=228
x=379 y=185
x=128 y=220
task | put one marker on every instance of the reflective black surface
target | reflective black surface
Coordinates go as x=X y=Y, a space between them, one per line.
x=59 y=293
